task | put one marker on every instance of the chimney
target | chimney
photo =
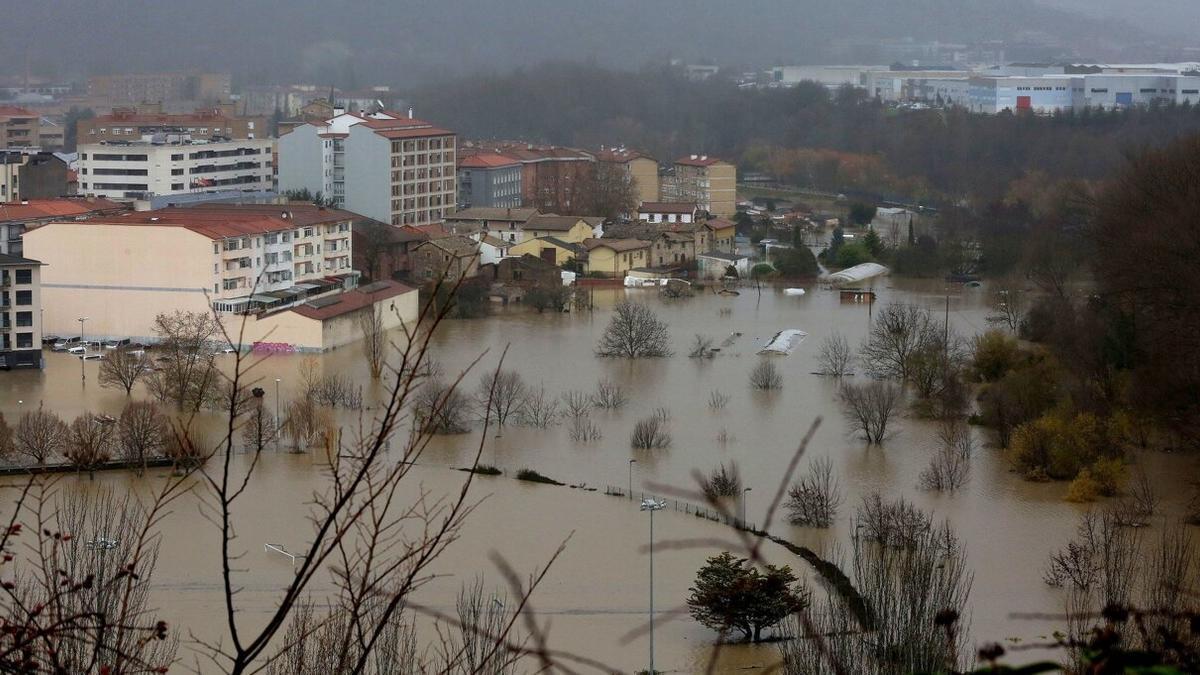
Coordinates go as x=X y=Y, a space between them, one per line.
x=694 y=157
x=703 y=158
x=410 y=112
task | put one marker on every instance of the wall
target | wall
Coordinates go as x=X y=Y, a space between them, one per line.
x=644 y=172
x=118 y=276
x=368 y=174
x=302 y=162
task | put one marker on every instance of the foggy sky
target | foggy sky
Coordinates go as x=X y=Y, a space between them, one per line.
x=357 y=42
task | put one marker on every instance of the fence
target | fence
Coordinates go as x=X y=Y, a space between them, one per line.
x=683 y=507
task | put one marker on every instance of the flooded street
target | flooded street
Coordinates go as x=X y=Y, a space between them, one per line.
x=596 y=594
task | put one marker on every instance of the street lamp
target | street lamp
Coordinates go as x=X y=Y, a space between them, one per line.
x=82 y=372
x=277 y=381
x=652 y=505
x=631 y=463
x=744 y=505
x=103 y=545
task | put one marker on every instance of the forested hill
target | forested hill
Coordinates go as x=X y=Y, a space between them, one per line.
x=805 y=135
x=406 y=41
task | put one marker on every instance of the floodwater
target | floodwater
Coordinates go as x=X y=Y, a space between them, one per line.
x=594 y=599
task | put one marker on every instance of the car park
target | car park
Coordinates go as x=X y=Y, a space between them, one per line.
x=77 y=348
x=91 y=356
x=63 y=344
x=117 y=344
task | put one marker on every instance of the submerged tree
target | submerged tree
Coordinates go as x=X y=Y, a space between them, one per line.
x=731 y=594
x=40 y=434
x=184 y=372
x=634 y=332
x=122 y=368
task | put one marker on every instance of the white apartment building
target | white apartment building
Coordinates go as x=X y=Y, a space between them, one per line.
x=386 y=166
x=171 y=165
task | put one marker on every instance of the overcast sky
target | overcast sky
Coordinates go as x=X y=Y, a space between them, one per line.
x=1175 y=16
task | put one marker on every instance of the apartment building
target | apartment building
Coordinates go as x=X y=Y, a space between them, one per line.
x=489 y=180
x=19 y=128
x=20 y=313
x=707 y=182
x=170 y=165
x=121 y=271
x=205 y=124
x=17 y=217
x=135 y=88
x=640 y=169
x=27 y=174
x=394 y=168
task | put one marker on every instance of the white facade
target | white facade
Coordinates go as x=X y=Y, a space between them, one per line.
x=392 y=168
x=830 y=76
x=142 y=169
x=1049 y=94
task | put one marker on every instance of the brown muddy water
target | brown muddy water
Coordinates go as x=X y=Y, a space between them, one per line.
x=595 y=597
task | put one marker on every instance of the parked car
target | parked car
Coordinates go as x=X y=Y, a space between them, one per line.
x=62 y=344
x=117 y=344
x=91 y=356
x=78 y=348
x=49 y=340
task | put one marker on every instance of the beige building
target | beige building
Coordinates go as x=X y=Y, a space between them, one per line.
x=135 y=88
x=20 y=313
x=551 y=249
x=615 y=257
x=206 y=124
x=122 y=271
x=639 y=168
x=708 y=182
x=571 y=229
x=19 y=128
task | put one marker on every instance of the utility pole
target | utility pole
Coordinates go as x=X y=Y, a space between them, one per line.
x=652 y=505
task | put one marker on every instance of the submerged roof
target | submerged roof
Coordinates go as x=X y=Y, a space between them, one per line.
x=332 y=306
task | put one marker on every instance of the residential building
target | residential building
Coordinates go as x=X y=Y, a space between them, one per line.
x=489 y=180
x=672 y=249
x=17 y=217
x=448 y=258
x=52 y=135
x=206 y=124
x=179 y=165
x=20 y=313
x=121 y=271
x=715 y=265
x=19 y=128
x=503 y=223
x=28 y=174
x=491 y=249
x=721 y=235
x=528 y=270
x=667 y=212
x=551 y=176
x=707 y=182
x=286 y=99
x=326 y=322
x=136 y=88
x=640 y=169
x=573 y=229
x=615 y=257
x=393 y=168
x=550 y=249
x=381 y=251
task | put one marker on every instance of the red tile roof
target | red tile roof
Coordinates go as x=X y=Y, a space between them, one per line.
x=218 y=221
x=618 y=245
x=621 y=156
x=353 y=300
x=36 y=209
x=15 y=111
x=699 y=160
x=393 y=122
x=667 y=207
x=417 y=132
x=487 y=160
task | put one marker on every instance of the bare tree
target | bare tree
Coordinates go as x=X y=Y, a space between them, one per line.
x=946 y=472
x=1140 y=504
x=375 y=342
x=606 y=191
x=717 y=399
x=501 y=396
x=40 y=434
x=898 y=334
x=835 y=357
x=184 y=371
x=609 y=395
x=90 y=442
x=584 y=430
x=721 y=482
x=481 y=618
x=702 y=347
x=538 y=409
x=332 y=390
x=307 y=424
x=142 y=431
x=650 y=433
x=813 y=500
x=122 y=368
x=577 y=404
x=765 y=376
x=1008 y=304
x=441 y=408
x=259 y=429
x=634 y=332
x=868 y=408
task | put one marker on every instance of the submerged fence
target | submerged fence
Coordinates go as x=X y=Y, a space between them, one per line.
x=706 y=512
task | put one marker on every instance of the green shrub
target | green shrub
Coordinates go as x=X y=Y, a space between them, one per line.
x=483 y=470
x=762 y=271
x=1061 y=449
x=1083 y=489
x=796 y=262
x=850 y=255
x=994 y=354
x=535 y=477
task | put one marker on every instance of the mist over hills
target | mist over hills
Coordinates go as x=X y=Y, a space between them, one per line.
x=406 y=42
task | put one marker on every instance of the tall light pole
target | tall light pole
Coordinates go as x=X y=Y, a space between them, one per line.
x=652 y=505
x=631 y=463
x=82 y=372
x=277 y=381
x=744 y=491
x=103 y=545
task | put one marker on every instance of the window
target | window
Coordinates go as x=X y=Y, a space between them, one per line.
x=24 y=319
x=24 y=340
x=1100 y=91
x=24 y=276
x=24 y=298
x=231 y=284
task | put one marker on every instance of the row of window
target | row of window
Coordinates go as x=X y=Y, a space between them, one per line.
x=423 y=144
x=20 y=276
x=418 y=203
x=399 y=190
x=23 y=298
x=422 y=160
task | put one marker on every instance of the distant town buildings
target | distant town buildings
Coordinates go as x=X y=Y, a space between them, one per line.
x=173 y=164
x=385 y=165
x=708 y=182
x=20 y=313
x=121 y=271
x=27 y=174
x=17 y=217
x=19 y=128
x=135 y=88
x=145 y=122
x=637 y=167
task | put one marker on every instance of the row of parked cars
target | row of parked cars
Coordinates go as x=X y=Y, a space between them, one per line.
x=89 y=350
